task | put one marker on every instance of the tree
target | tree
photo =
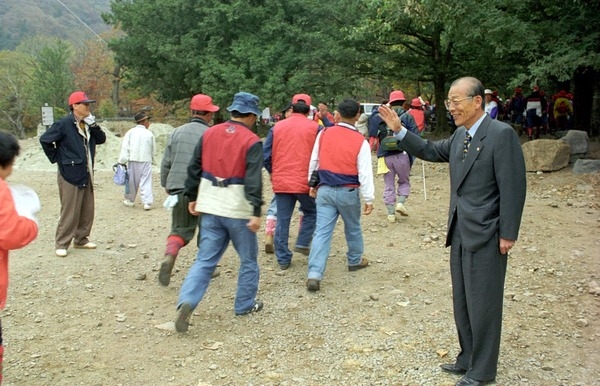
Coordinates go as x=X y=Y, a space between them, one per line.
x=52 y=77
x=438 y=40
x=93 y=70
x=14 y=83
x=272 y=48
x=567 y=54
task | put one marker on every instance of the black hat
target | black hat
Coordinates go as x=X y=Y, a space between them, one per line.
x=287 y=107
x=141 y=116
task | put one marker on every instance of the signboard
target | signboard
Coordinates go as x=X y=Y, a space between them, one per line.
x=47 y=116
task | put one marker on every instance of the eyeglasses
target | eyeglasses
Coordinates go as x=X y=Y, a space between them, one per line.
x=83 y=103
x=455 y=102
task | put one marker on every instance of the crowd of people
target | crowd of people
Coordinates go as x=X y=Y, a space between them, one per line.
x=322 y=161
x=537 y=113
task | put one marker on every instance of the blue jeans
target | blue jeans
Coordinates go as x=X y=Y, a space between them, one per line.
x=272 y=209
x=285 y=208
x=214 y=239
x=331 y=203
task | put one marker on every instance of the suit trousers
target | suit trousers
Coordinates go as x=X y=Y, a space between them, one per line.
x=477 y=294
x=76 y=214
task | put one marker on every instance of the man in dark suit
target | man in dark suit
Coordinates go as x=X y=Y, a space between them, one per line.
x=487 y=184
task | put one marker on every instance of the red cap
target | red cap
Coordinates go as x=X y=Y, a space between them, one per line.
x=302 y=97
x=397 y=96
x=536 y=88
x=79 y=97
x=416 y=102
x=201 y=102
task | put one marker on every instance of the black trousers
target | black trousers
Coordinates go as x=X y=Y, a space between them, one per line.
x=477 y=295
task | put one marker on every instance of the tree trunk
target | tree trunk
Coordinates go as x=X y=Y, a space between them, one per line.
x=586 y=102
x=115 y=89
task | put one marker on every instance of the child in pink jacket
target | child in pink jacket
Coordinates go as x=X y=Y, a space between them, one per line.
x=16 y=230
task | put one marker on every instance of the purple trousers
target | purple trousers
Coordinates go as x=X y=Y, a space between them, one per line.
x=399 y=165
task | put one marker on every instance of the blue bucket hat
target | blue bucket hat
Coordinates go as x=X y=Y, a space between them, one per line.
x=244 y=102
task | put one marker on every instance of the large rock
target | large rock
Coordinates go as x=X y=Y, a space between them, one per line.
x=579 y=142
x=546 y=155
x=586 y=166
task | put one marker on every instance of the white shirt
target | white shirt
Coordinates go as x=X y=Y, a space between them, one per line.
x=138 y=145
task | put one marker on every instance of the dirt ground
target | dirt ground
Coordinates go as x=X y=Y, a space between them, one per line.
x=90 y=318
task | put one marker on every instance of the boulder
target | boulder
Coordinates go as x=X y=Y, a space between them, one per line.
x=583 y=166
x=546 y=155
x=579 y=142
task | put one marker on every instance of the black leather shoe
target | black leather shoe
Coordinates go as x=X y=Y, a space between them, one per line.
x=466 y=381
x=453 y=368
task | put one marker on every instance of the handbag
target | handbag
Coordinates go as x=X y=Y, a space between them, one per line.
x=121 y=176
x=389 y=143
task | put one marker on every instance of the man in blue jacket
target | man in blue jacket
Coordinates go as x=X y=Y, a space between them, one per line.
x=71 y=143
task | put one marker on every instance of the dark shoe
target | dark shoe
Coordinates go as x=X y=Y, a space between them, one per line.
x=164 y=275
x=466 y=381
x=453 y=368
x=313 y=285
x=182 y=321
x=364 y=263
x=303 y=250
x=283 y=267
x=255 y=308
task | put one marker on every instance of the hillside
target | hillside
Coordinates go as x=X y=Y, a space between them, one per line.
x=20 y=19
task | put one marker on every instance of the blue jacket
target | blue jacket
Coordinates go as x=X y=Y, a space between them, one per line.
x=63 y=144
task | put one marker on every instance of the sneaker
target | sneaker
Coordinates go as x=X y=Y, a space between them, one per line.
x=364 y=263
x=61 y=252
x=313 y=285
x=87 y=245
x=128 y=203
x=391 y=217
x=147 y=206
x=182 y=322
x=400 y=208
x=269 y=246
x=303 y=250
x=258 y=305
x=166 y=267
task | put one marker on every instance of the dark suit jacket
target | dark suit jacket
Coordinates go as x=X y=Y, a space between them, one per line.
x=487 y=188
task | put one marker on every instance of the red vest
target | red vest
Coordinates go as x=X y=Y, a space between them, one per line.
x=225 y=158
x=338 y=156
x=293 y=141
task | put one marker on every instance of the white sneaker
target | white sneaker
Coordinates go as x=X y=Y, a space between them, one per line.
x=391 y=217
x=88 y=245
x=400 y=208
x=147 y=206
x=61 y=252
x=128 y=203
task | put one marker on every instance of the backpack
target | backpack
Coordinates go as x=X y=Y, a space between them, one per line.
x=562 y=108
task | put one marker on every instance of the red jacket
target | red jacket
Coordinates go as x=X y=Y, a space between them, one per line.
x=293 y=140
x=15 y=232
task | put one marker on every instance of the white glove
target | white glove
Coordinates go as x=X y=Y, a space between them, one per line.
x=170 y=202
x=90 y=120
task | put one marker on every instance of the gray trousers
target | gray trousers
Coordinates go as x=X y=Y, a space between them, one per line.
x=477 y=295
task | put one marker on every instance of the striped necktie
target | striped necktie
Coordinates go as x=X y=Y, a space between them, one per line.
x=467 y=144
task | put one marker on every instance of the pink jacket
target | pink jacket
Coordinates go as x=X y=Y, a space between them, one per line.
x=15 y=232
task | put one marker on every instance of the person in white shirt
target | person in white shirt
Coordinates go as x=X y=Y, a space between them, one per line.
x=137 y=151
x=491 y=107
